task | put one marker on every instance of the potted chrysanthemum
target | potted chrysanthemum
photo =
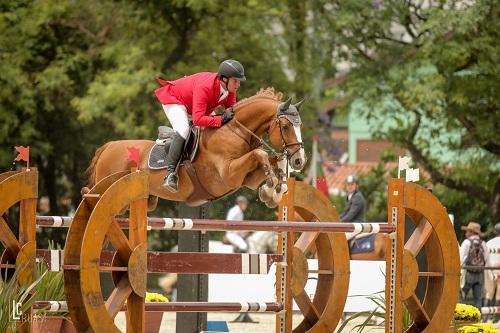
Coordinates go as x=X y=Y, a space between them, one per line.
x=153 y=318
x=464 y=315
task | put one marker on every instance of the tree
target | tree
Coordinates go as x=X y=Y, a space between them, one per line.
x=77 y=74
x=425 y=74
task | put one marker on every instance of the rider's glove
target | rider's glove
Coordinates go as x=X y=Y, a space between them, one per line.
x=227 y=115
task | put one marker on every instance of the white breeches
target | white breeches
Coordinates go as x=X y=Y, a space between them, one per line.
x=237 y=240
x=178 y=117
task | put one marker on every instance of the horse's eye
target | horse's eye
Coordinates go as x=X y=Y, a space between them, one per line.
x=285 y=127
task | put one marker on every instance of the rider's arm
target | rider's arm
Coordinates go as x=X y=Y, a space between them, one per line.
x=230 y=100
x=200 y=105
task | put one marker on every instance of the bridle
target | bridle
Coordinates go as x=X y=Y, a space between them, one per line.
x=292 y=117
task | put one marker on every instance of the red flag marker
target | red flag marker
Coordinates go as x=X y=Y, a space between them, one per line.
x=24 y=155
x=321 y=185
x=133 y=155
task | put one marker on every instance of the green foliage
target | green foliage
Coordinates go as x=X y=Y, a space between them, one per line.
x=11 y=292
x=376 y=317
x=425 y=75
x=51 y=285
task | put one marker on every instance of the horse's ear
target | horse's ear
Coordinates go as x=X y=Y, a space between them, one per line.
x=299 y=104
x=286 y=105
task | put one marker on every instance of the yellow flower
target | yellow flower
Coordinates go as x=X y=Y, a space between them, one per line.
x=155 y=297
x=478 y=328
x=466 y=312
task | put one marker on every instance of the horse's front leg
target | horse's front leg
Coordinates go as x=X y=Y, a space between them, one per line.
x=254 y=179
x=282 y=186
x=236 y=171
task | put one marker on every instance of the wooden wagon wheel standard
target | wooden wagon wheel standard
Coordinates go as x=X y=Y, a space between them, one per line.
x=19 y=187
x=323 y=312
x=434 y=238
x=93 y=222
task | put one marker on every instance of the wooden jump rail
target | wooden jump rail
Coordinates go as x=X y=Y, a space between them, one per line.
x=244 y=307
x=96 y=219
x=173 y=262
x=160 y=223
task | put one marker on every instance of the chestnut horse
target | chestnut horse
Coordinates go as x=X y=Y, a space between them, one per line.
x=228 y=157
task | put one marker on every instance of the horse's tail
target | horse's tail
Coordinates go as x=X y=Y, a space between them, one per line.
x=90 y=172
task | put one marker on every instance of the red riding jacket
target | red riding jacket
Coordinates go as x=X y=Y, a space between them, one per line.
x=199 y=93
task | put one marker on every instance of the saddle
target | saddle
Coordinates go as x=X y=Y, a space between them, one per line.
x=158 y=156
x=362 y=244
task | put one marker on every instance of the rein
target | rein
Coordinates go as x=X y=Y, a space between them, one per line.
x=259 y=140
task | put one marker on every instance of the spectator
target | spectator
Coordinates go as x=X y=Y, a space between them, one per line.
x=492 y=281
x=237 y=238
x=473 y=255
x=354 y=210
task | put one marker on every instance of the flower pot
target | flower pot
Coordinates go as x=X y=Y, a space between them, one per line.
x=53 y=324
x=47 y=324
x=153 y=321
x=67 y=326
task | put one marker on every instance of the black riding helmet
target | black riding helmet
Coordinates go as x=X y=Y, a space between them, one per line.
x=232 y=68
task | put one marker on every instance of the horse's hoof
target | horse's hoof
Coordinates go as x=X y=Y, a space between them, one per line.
x=271 y=204
x=277 y=197
x=263 y=195
x=84 y=190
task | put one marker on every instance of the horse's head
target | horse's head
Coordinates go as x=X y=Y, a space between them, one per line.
x=285 y=133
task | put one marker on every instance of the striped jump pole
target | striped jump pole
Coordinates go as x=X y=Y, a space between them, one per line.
x=159 y=223
x=244 y=307
x=490 y=310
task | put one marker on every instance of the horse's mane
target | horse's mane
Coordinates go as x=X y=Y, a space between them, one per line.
x=267 y=93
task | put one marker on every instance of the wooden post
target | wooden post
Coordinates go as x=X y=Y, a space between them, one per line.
x=284 y=271
x=138 y=243
x=394 y=256
x=192 y=287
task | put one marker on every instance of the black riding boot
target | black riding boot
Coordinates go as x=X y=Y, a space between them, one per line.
x=173 y=156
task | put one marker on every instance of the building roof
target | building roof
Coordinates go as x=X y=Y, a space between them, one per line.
x=336 y=174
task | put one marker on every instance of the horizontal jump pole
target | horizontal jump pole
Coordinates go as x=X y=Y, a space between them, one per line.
x=62 y=306
x=175 y=262
x=159 y=223
x=490 y=309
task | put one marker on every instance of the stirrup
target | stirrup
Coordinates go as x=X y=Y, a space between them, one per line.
x=171 y=182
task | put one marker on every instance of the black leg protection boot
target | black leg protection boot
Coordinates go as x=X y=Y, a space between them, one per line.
x=174 y=154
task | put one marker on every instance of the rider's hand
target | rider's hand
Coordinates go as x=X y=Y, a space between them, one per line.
x=227 y=115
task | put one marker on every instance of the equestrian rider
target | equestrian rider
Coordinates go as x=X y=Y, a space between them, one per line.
x=197 y=95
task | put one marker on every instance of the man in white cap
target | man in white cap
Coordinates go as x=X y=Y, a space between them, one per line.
x=236 y=213
x=473 y=256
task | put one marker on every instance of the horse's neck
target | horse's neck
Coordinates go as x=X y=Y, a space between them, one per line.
x=257 y=116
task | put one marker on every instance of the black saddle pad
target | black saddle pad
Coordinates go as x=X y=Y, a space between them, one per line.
x=157 y=158
x=363 y=245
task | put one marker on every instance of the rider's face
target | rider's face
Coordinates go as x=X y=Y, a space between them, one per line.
x=233 y=85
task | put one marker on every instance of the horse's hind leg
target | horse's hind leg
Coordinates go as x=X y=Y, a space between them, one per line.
x=152 y=202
